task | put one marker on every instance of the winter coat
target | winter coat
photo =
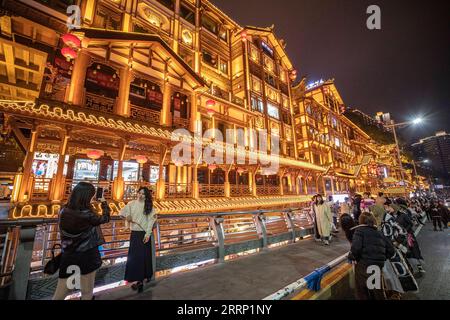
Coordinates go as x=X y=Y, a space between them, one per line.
x=370 y=246
x=324 y=219
x=79 y=229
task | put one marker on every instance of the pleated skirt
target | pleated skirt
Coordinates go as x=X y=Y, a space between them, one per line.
x=139 y=261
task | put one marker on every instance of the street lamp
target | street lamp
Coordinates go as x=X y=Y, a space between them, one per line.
x=393 y=125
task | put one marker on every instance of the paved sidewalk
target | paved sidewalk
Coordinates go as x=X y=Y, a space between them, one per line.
x=253 y=277
x=435 y=247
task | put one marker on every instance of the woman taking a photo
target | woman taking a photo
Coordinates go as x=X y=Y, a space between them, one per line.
x=80 y=237
x=142 y=216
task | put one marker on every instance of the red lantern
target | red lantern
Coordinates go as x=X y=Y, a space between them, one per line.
x=71 y=40
x=94 y=154
x=68 y=53
x=244 y=36
x=209 y=107
x=141 y=159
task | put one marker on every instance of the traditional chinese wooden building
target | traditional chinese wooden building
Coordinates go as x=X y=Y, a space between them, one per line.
x=101 y=102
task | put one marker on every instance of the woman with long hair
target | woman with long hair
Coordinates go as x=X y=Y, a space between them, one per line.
x=142 y=216
x=80 y=237
x=324 y=218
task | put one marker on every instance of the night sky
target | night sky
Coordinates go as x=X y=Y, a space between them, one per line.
x=404 y=68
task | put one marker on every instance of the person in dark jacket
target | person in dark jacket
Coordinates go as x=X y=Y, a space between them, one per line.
x=435 y=215
x=357 y=207
x=347 y=224
x=444 y=212
x=369 y=248
x=80 y=237
x=403 y=218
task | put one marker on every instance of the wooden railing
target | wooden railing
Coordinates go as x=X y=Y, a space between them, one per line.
x=181 y=123
x=131 y=188
x=99 y=103
x=40 y=188
x=239 y=190
x=289 y=190
x=106 y=185
x=145 y=115
x=211 y=190
x=267 y=190
x=178 y=190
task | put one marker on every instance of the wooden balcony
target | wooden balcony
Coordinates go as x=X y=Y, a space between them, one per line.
x=211 y=190
x=267 y=190
x=99 y=103
x=145 y=115
x=131 y=188
x=289 y=191
x=106 y=185
x=178 y=190
x=181 y=123
x=239 y=190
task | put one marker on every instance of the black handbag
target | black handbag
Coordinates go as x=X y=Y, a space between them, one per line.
x=52 y=266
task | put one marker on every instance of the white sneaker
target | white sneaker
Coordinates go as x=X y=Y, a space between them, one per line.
x=326 y=242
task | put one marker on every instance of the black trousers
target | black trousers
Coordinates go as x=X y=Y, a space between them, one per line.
x=139 y=260
x=362 y=291
x=437 y=221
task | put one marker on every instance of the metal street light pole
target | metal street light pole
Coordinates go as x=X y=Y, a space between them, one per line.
x=393 y=125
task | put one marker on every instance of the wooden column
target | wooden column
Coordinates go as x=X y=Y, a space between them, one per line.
x=75 y=93
x=176 y=26
x=161 y=183
x=193 y=113
x=27 y=181
x=195 y=187
x=58 y=180
x=166 y=114
x=226 y=186
x=122 y=105
x=119 y=183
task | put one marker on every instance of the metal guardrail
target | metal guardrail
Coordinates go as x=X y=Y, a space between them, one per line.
x=311 y=281
x=179 y=239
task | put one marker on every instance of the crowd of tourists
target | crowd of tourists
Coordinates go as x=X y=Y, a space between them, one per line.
x=381 y=231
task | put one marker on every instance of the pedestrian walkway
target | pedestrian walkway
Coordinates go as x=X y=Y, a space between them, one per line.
x=435 y=247
x=253 y=277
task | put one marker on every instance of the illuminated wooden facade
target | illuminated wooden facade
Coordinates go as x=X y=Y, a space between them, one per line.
x=142 y=70
x=327 y=138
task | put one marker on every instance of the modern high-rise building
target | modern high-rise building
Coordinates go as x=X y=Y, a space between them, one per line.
x=437 y=150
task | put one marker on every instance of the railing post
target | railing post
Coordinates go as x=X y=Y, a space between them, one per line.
x=22 y=265
x=291 y=225
x=261 y=221
x=218 y=228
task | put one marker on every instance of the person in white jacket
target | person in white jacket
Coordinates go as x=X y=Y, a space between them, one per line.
x=142 y=216
x=324 y=219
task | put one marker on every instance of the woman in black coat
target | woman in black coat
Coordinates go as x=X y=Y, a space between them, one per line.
x=81 y=235
x=369 y=248
x=403 y=218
